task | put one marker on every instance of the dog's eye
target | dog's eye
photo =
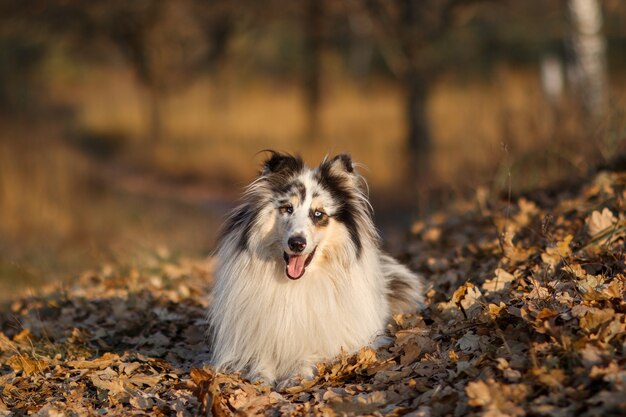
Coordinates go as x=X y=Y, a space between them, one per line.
x=285 y=209
x=318 y=214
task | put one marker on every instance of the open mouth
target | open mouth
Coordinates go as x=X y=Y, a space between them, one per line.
x=296 y=264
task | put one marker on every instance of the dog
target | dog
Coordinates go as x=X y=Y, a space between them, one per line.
x=300 y=276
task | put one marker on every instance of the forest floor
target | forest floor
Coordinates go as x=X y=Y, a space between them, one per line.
x=526 y=315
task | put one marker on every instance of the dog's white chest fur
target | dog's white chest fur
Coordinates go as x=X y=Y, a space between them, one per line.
x=280 y=328
x=279 y=306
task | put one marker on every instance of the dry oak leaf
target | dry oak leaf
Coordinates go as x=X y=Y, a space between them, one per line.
x=552 y=378
x=494 y=310
x=478 y=393
x=360 y=404
x=591 y=355
x=512 y=251
x=212 y=399
x=527 y=209
x=497 y=400
x=598 y=221
x=5 y=344
x=594 y=317
x=592 y=288
x=556 y=252
x=501 y=281
x=102 y=362
x=576 y=270
x=108 y=380
x=27 y=365
x=141 y=402
x=469 y=342
x=466 y=298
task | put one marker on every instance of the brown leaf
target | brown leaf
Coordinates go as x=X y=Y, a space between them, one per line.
x=469 y=342
x=23 y=337
x=147 y=380
x=108 y=380
x=494 y=310
x=556 y=252
x=552 y=378
x=591 y=355
x=597 y=222
x=359 y=404
x=141 y=402
x=26 y=364
x=6 y=345
x=102 y=362
x=546 y=313
x=497 y=399
x=594 y=317
x=501 y=281
x=478 y=393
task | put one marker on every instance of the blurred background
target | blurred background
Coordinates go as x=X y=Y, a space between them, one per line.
x=128 y=128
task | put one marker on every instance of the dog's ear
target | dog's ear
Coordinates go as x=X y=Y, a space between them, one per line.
x=341 y=164
x=282 y=163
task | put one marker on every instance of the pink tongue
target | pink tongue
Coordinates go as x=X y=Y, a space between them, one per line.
x=295 y=266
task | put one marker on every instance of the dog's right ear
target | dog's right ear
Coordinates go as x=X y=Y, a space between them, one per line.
x=282 y=163
x=342 y=162
x=340 y=165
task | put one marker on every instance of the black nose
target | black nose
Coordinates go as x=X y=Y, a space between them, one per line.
x=297 y=243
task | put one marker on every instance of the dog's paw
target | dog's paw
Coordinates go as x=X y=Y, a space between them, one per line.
x=307 y=373
x=283 y=385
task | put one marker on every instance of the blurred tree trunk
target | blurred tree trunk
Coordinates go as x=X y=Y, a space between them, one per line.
x=588 y=47
x=131 y=31
x=312 y=70
x=407 y=31
x=418 y=134
x=416 y=81
x=361 y=48
x=137 y=52
x=144 y=71
x=217 y=22
x=155 y=114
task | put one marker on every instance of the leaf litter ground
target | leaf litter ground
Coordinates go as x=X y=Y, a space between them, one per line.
x=526 y=316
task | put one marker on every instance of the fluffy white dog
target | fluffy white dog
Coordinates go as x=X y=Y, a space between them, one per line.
x=300 y=275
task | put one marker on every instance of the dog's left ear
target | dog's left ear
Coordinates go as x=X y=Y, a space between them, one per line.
x=279 y=163
x=341 y=163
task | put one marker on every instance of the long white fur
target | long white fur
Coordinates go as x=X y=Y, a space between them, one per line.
x=269 y=327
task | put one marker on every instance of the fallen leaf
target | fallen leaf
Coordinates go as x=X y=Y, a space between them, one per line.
x=27 y=365
x=594 y=317
x=469 y=342
x=102 y=362
x=141 y=402
x=556 y=252
x=501 y=281
x=598 y=221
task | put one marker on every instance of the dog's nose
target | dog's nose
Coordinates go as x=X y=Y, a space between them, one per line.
x=297 y=243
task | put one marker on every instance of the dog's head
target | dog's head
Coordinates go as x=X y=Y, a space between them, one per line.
x=318 y=213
